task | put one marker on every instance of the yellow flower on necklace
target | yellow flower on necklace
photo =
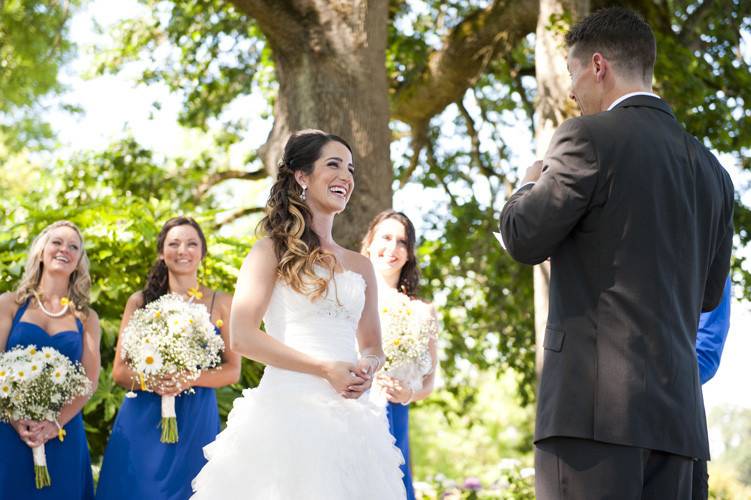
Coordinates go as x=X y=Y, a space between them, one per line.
x=64 y=301
x=195 y=293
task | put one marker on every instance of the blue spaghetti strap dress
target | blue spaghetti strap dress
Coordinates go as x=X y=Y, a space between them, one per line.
x=68 y=462
x=137 y=465
x=398 y=415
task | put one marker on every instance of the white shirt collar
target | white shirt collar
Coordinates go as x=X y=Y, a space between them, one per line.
x=630 y=94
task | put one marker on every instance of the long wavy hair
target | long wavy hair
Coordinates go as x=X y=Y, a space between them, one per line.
x=79 y=282
x=288 y=219
x=409 y=277
x=157 y=281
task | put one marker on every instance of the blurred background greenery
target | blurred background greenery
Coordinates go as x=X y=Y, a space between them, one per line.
x=457 y=118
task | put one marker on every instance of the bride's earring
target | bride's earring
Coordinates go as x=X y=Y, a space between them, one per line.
x=302 y=195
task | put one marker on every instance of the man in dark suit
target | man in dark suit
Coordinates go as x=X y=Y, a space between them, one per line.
x=636 y=218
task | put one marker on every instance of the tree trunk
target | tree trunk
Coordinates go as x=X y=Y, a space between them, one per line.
x=552 y=108
x=330 y=62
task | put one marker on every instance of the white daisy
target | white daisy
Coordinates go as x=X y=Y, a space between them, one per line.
x=58 y=374
x=151 y=361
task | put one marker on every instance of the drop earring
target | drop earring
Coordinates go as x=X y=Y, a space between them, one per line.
x=302 y=195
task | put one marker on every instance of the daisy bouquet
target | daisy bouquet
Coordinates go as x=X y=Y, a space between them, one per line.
x=407 y=327
x=34 y=385
x=170 y=337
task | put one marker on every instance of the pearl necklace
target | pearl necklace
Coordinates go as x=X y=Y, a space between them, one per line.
x=64 y=301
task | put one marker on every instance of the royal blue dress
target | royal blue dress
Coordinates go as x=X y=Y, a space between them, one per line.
x=137 y=465
x=68 y=462
x=398 y=415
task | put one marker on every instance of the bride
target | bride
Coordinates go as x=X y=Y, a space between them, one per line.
x=304 y=432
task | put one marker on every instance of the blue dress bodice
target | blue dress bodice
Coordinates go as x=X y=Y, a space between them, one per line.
x=137 y=465
x=68 y=461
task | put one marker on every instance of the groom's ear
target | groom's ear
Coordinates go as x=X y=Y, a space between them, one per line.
x=600 y=66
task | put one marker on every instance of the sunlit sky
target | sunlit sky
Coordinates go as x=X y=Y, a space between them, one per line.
x=114 y=107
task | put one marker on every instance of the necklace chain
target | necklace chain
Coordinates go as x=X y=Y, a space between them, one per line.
x=57 y=314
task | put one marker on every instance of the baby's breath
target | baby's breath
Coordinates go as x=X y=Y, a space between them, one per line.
x=171 y=336
x=36 y=384
x=407 y=327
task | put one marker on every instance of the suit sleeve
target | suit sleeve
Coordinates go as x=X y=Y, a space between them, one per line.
x=536 y=219
x=720 y=266
x=711 y=335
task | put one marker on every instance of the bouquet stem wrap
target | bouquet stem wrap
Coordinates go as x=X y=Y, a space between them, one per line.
x=35 y=384
x=171 y=341
x=169 y=420
x=41 y=474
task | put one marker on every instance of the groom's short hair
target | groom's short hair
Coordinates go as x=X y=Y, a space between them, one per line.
x=619 y=34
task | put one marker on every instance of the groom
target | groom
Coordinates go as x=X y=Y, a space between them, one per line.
x=636 y=218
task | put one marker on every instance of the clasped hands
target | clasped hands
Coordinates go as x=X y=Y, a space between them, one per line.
x=170 y=384
x=35 y=433
x=348 y=379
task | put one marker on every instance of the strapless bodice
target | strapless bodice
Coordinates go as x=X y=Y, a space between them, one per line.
x=324 y=328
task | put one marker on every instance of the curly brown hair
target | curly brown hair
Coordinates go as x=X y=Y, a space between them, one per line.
x=409 y=277
x=288 y=219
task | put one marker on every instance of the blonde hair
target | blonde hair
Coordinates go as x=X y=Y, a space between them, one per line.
x=79 y=283
x=288 y=218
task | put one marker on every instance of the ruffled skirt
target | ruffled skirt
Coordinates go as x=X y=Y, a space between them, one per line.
x=294 y=437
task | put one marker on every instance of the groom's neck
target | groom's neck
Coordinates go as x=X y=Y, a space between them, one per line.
x=620 y=90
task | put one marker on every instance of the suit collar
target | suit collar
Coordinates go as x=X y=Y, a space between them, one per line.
x=645 y=101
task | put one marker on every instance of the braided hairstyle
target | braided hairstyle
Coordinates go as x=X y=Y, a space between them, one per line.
x=288 y=219
x=409 y=276
x=157 y=281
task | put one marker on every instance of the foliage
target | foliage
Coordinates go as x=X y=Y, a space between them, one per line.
x=734 y=426
x=489 y=440
x=34 y=45
x=724 y=484
x=466 y=157
x=120 y=199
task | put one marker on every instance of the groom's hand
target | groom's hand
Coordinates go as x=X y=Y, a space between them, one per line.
x=533 y=172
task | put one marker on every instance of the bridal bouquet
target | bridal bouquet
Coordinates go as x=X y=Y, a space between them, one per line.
x=407 y=327
x=170 y=337
x=34 y=385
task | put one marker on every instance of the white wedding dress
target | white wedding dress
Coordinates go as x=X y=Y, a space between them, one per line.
x=293 y=437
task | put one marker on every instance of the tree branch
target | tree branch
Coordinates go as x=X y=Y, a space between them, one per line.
x=418 y=142
x=280 y=21
x=433 y=164
x=240 y=214
x=688 y=35
x=468 y=48
x=218 y=177
x=472 y=132
x=516 y=83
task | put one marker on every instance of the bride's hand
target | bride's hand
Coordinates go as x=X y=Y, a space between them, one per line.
x=363 y=370
x=342 y=375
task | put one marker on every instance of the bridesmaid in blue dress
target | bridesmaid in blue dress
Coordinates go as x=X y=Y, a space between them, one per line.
x=390 y=244
x=57 y=268
x=136 y=464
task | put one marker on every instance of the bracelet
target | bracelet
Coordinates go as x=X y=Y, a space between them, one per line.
x=377 y=359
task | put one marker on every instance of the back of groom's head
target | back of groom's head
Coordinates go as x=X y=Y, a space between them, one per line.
x=621 y=36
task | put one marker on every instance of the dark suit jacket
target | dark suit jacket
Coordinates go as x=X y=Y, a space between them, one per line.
x=636 y=218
